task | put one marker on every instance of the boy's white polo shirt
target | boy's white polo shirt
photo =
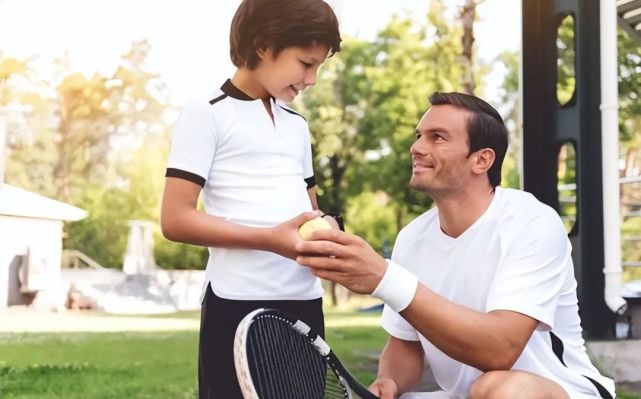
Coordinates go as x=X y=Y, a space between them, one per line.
x=515 y=257
x=254 y=172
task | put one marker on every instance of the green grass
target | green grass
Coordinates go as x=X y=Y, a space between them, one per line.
x=137 y=365
x=144 y=365
x=98 y=365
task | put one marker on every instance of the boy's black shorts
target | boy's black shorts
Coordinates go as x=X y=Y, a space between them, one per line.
x=218 y=321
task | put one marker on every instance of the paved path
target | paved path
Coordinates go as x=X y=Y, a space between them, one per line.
x=22 y=320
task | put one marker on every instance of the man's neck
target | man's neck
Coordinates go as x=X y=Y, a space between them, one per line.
x=457 y=213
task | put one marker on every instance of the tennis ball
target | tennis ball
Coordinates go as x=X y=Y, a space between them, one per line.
x=317 y=223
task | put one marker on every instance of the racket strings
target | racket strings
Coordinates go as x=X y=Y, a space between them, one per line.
x=285 y=365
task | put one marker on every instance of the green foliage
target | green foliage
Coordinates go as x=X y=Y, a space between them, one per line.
x=566 y=78
x=511 y=112
x=174 y=255
x=373 y=217
x=103 y=234
x=363 y=112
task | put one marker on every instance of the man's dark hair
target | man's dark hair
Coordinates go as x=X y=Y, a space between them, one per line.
x=485 y=128
x=279 y=24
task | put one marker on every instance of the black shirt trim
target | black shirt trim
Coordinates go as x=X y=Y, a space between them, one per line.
x=215 y=100
x=557 y=348
x=234 y=92
x=311 y=182
x=292 y=112
x=181 y=174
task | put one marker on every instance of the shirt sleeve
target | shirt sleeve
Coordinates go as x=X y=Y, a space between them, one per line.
x=193 y=143
x=531 y=277
x=397 y=326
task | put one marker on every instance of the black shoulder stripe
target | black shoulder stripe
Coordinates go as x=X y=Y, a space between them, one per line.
x=181 y=174
x=215 y=100
x=292 y=112
x=311 y=182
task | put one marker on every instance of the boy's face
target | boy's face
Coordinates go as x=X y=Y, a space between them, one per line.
x=291 y=71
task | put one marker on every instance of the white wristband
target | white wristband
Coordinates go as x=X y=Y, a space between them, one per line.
x=397 y=287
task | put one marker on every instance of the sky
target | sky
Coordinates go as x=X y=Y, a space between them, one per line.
x=189 y=38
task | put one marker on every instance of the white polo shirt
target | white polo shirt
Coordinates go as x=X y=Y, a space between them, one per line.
x=515 y=257
x=254 y=172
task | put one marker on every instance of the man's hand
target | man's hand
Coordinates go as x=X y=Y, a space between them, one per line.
x=384 y=388
x=344 y=258
x=284 y=237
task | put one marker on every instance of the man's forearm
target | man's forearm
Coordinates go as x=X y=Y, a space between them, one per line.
x=402 y=362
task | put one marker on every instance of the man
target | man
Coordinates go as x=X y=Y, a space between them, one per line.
x=481 y=286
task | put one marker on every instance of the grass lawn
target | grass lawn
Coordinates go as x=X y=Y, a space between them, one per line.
x=144 y=364
x=138 y=365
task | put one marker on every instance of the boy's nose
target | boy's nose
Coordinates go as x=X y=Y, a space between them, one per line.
x=310 y=78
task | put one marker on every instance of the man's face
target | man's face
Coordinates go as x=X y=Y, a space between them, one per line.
x=291 y=71
x=440 y=162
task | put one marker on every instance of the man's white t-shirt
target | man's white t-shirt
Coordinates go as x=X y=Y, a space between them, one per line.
x=515 y=257
x=254 y=172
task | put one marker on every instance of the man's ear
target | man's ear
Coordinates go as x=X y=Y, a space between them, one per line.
x=483 y=160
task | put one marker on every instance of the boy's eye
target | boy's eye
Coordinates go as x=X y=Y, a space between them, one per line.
x=306 y=64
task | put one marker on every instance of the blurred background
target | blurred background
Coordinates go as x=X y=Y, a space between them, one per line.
x=94 y=302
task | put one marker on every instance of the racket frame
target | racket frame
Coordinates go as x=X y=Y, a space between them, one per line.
x=242 y=364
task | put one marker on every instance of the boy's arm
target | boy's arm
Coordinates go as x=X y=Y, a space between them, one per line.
x=400 y=368
x=312 y=198
x=181 y=221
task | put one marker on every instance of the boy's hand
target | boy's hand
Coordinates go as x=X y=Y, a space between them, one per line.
x=384 y=388
x=284 y=237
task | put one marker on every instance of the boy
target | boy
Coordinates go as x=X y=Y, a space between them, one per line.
x=251 y=157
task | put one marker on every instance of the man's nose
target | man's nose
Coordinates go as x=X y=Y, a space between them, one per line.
x=417 y=148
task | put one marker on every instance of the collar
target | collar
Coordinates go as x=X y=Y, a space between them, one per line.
x=234 y=92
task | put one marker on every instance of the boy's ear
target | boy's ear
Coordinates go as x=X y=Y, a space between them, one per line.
x=261 y=52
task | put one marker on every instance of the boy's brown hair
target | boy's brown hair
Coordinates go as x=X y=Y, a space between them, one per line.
x=279 y=24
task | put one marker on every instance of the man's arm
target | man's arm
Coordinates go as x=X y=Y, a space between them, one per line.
x=487 y=341
x=400 y=368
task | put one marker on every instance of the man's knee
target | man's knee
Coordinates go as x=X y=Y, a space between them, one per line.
x=495 y=384
x=514 y=385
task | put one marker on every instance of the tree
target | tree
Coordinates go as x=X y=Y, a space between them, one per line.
x=363 y=112
x=94 y=147
x=88 y=119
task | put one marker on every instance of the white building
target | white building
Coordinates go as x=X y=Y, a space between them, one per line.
x=31 y=245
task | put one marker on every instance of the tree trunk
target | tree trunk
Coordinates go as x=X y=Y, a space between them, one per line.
x=468 y=15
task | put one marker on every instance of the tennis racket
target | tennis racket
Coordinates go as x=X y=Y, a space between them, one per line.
x=279 y=357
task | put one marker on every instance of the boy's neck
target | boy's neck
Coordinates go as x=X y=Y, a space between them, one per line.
x=244 y=80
